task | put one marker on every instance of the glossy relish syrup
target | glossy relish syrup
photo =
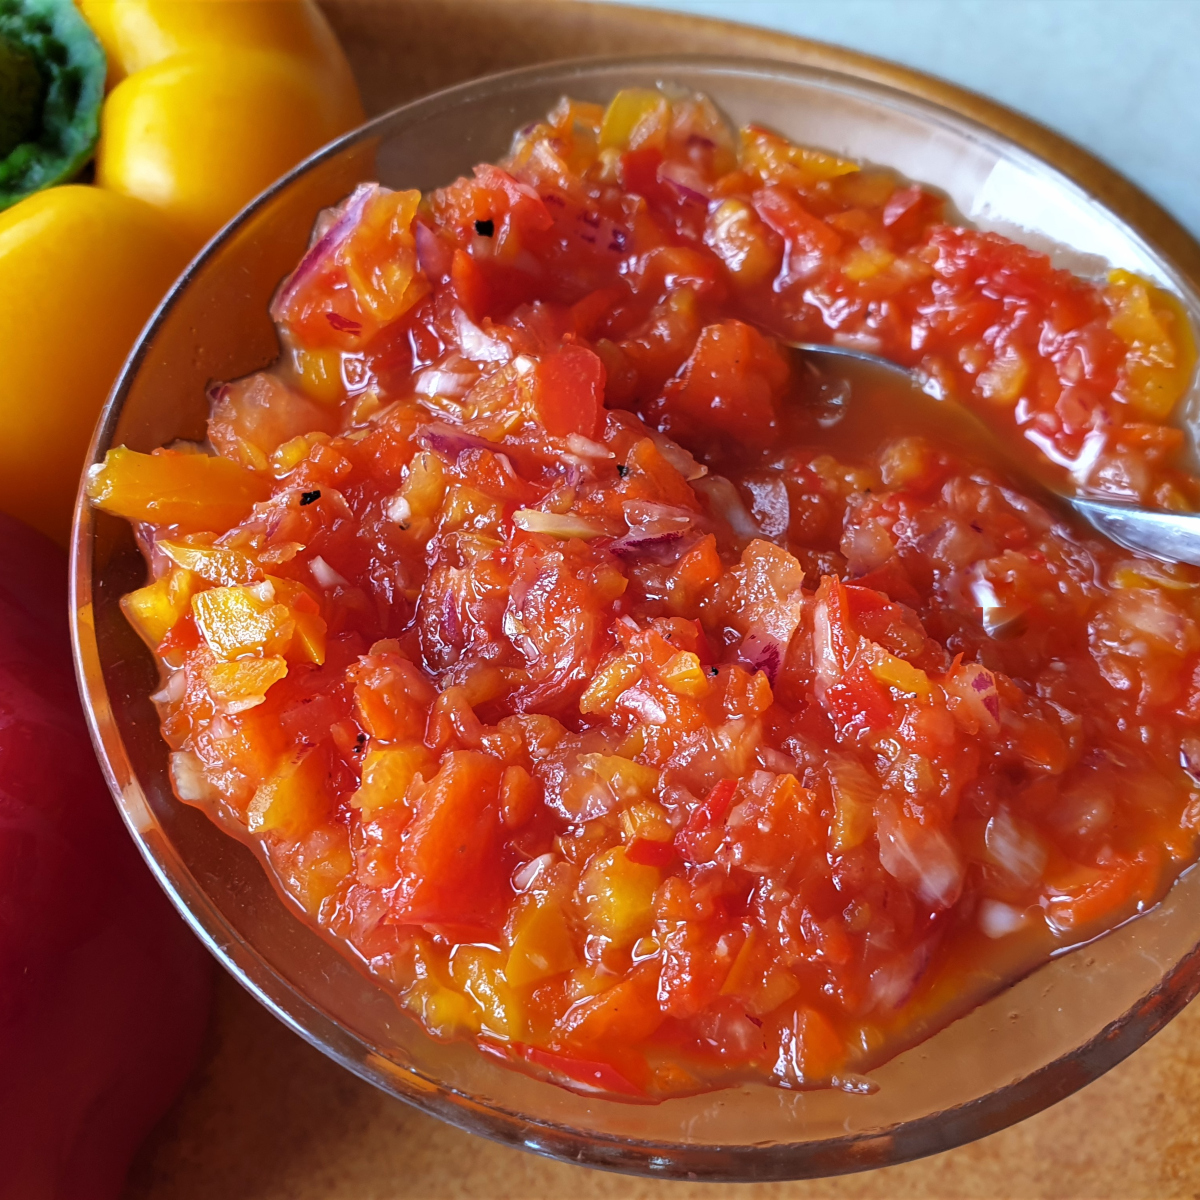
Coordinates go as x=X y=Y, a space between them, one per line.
x=626 y=694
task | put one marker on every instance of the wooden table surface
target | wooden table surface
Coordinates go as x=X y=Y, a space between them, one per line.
x=266 y=1117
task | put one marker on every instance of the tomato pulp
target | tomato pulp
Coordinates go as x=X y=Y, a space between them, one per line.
x=634 y=700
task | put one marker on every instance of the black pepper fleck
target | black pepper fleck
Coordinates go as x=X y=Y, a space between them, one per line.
x=309 y=497
x=485 y=228
x=713 y=671
x=622 y=470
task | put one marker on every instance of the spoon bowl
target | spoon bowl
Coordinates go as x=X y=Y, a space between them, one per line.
x=1168 y=536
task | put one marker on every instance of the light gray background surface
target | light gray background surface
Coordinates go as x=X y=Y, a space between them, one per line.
x=1121 y=77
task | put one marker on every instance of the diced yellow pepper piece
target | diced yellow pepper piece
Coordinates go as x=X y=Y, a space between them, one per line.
x=154 y=609
x=741 y=974
x=737 y=236
x=218 y=564
x=194 y=492
x=1162 y=351
x=243 y=622
x=628 y=109
x=244 y=684
x=294 y=798
x=308 y=640
x=319 y=373
x=608 y=684
x=469 y=507
x=895 y=672
x=778 y=987
x=443 y=1011
x=1136 y=317
x=779 y=161
x=866 y=264
x=628 y=780
x=647 y=820
x=288 y=456
x=387 y=773
x=854 y=794
x=684 y=675
x=619 y=897
x=479 y=972
x=1004 y=379
x=542 y=945
x=380 y=256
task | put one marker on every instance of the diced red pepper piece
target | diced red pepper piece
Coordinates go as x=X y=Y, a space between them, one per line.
x=569 y=392
x=450 y=860
x=729 y=387
x=698 y=839
x=649 y=853
x=593 y=1075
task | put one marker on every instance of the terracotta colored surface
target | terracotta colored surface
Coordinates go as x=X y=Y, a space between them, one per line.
x=268 y=1118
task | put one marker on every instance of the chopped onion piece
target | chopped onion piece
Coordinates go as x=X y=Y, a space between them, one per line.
x=678 y=457
x=921 y=858
x=527 y=874
x=998 y=919
x=724 y=501
x=477 y=345
x=324 y=574
x=188 y=778
x=563 y=525
x=333 y=227
x=586 y=448
x=396 y=508
x=1015 y=850
x=764 y=653
x=638 y=541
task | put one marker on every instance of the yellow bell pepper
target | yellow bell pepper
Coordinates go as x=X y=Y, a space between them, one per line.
x=136 y=34
x=211 y=101
x=80 y=271
x=216 y=99
x=201 y=134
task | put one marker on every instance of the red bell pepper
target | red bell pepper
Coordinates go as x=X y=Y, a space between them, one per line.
x=104 y=992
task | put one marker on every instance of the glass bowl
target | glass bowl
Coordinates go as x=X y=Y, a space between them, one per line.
x=1030 y=1045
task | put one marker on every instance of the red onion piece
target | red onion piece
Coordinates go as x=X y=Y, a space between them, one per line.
x=452 y=378
x=764 y=653
x=448 y=440
x=343 y=324
x=345 y=218
x=975 y=685
x=640 y=540
x=685 y=181
x=433 y=255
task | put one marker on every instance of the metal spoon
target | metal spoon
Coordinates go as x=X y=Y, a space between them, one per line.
x=1169 y=536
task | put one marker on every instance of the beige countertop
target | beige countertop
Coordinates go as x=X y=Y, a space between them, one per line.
x=266 y=1117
